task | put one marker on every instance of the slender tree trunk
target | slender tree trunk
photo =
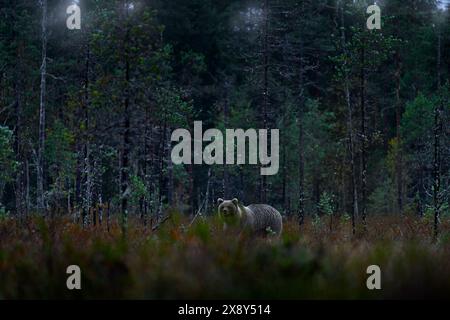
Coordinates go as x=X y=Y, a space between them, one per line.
x=19 y=180
x=108 y=216
x=241 y=184
x=87 y=169
x=363 y=138
x=284 y=168
x=18 y=144
x=301 y=155
x=100 y=205
x=422 y=194
x=125 y=157
x=144 y=200
x=78 y=178
x=124 y=175
x=438 y=129
x=169 y=164
x=343 y=189
x=399 y=160
x=148 y=165
x=190 y=169
x=265 y=105
x=225 y=181
x=41 y=148
x=162 y=178
x=207 y=193
x=27 y=187
x=355 y=211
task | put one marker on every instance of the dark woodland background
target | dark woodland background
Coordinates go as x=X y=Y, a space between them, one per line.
x=86 y=115
x=86 y=118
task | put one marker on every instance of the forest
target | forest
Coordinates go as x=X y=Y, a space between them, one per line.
x=87 y=116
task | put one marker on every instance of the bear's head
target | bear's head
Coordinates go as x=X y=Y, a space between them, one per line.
x=229 y=209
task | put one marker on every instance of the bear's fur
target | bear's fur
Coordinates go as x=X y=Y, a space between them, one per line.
x=259 y=219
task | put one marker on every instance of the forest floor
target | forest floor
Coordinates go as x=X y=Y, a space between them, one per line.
x=205 y=262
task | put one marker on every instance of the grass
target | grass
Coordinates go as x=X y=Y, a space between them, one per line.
x=205 y=262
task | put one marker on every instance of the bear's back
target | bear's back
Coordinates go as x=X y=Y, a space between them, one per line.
x=265 y=216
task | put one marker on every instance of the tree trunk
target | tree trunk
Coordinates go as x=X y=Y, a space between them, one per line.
x=145 y=200
x=422 y=193
x=124 y=175
x=225 y=181
x=438 y=128
x=355 y=209
x=190 y=169
x=87 y=169
x=78 y=178
x=27 y=187
x=20 y=175
x=363 y=138
x=399 y=160
x=169 y=164
x=265 y=105
x=301 y=155
x=108 y=216
x=41 y=148
x=162 y=178
x=284 y=168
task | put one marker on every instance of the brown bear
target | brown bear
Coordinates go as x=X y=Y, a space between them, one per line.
x=258 y=219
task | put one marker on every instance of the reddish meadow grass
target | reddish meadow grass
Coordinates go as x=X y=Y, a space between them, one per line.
x=205 y=262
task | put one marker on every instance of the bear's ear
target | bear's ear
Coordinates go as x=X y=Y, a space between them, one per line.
x=235 y=201
x=219 y=201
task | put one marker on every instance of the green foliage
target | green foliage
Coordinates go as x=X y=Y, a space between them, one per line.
x=201 y=230
x=319 y=127
x=194 y=62
x=382 y=199
x=428 y=215
x=326 y=204
x=345 y=217
x=174 y=110
x=138 y=190
x=317 y=222
x=8 y=164
x=59 y=150
x=417 y=122
x=3 y=213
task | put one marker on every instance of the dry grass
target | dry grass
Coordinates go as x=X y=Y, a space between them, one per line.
x=204 y=262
